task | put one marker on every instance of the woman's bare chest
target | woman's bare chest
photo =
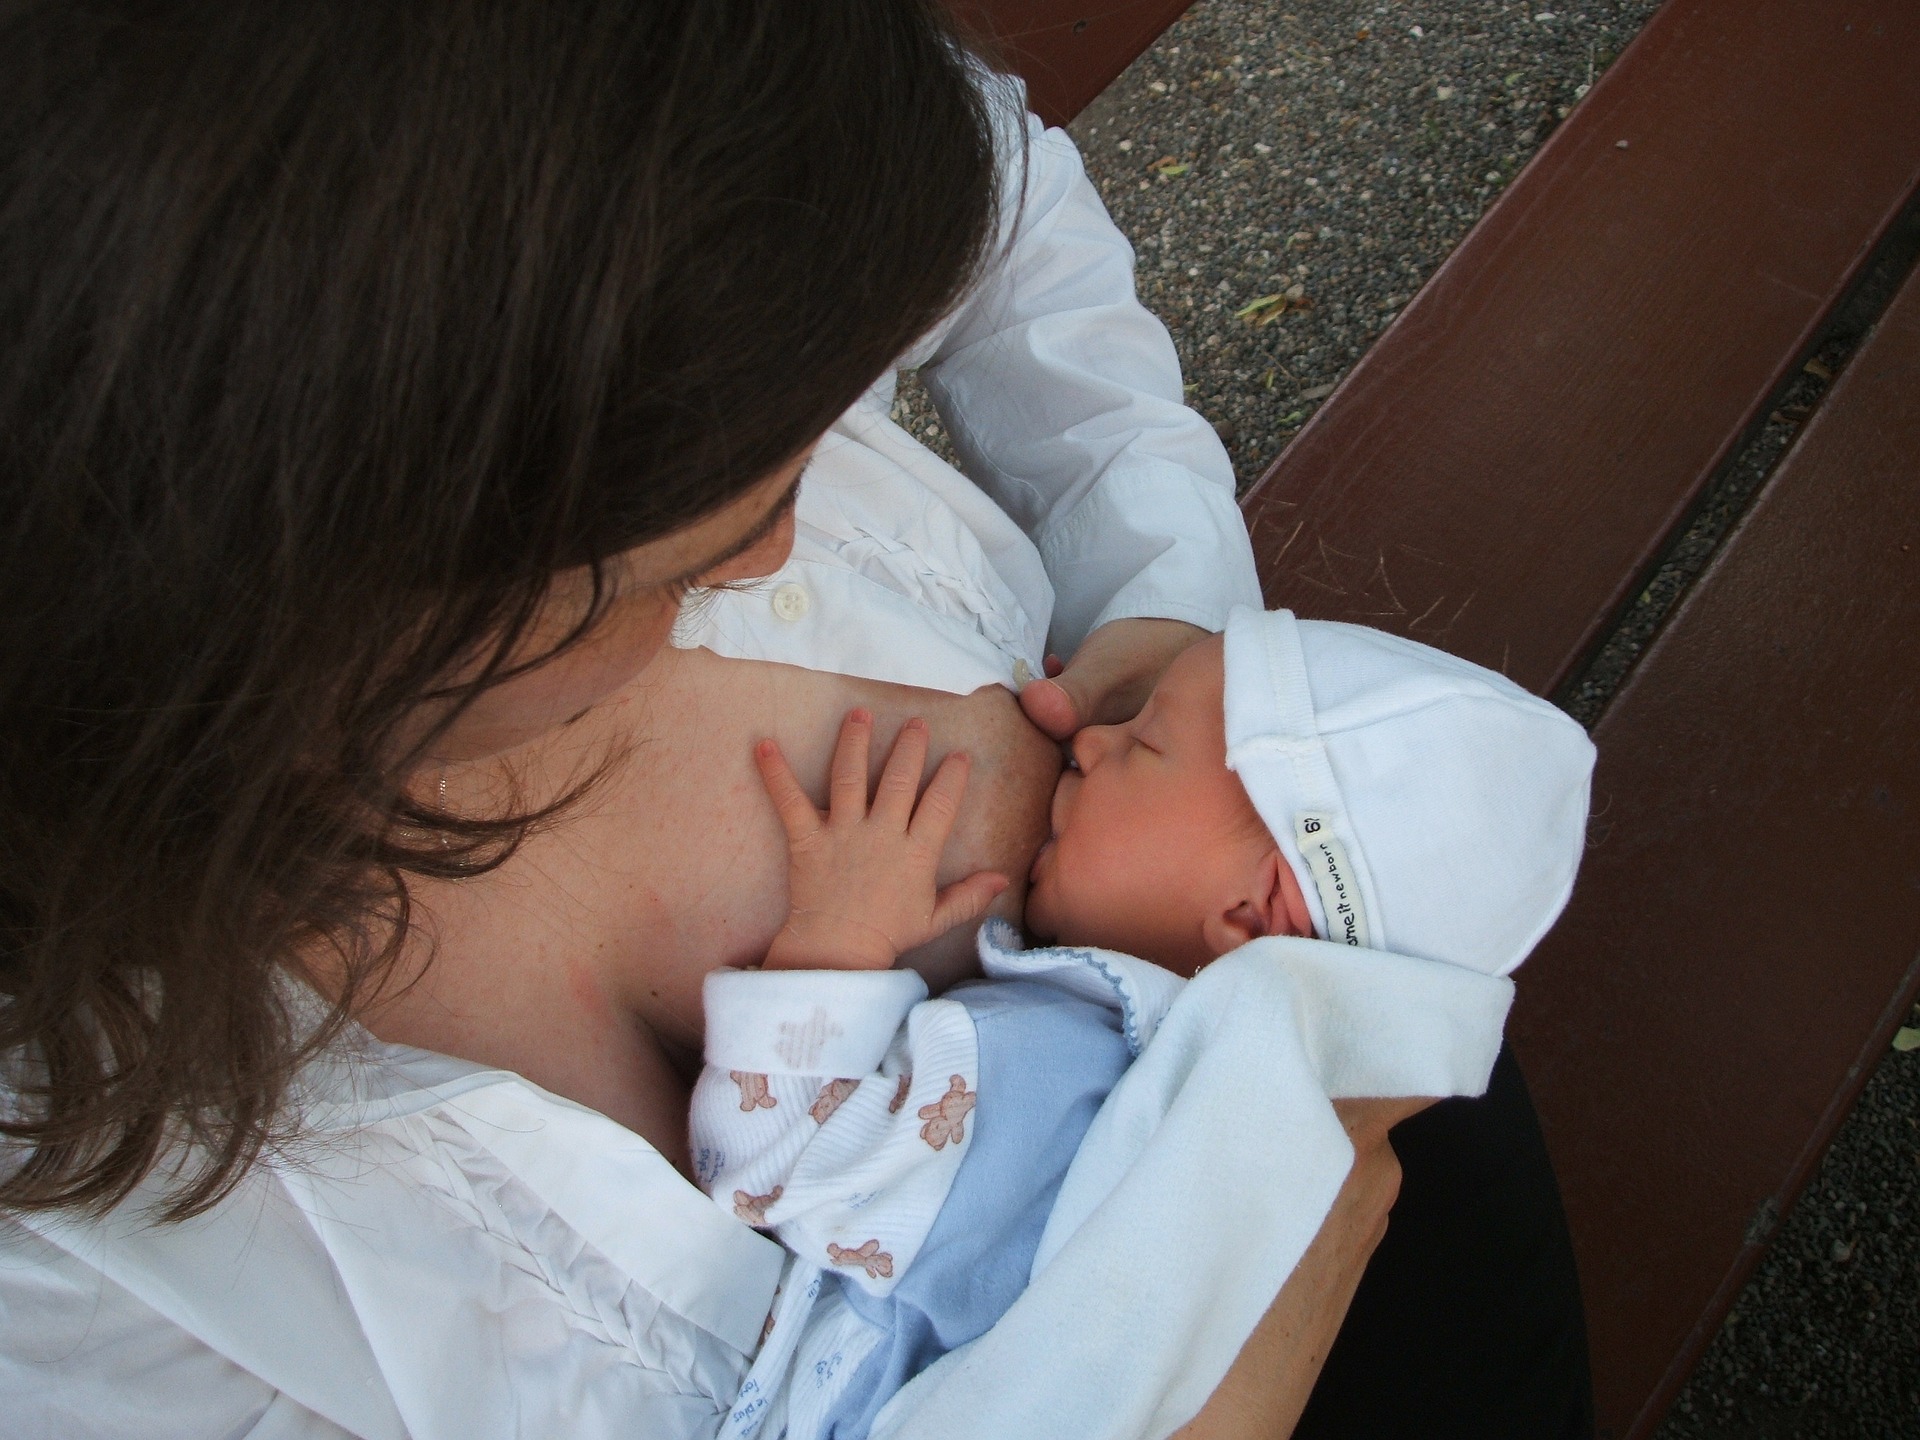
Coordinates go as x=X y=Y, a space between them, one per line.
x=591 y=943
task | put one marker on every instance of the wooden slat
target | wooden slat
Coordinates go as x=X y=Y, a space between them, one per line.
x=1746 y=930
x=1497 y=473
x=1068 y=51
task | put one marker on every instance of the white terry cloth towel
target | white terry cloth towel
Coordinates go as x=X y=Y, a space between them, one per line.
x=1203 y=1179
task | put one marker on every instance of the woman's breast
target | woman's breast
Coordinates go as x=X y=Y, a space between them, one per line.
x=681 y=844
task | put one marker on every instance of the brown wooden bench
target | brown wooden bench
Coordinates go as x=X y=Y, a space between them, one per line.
x=1500 y=474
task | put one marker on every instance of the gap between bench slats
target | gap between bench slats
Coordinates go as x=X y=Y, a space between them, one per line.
x=1746 y=930
x=1500 y=470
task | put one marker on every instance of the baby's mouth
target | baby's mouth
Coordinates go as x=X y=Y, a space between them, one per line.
x=1055 y=817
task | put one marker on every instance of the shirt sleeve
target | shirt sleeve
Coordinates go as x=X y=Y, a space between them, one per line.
x=833 y=1109
x=1062 y=394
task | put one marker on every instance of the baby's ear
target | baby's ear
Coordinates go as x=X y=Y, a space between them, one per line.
x=1287 y=898
x=1272 y=905
x=1230 y=929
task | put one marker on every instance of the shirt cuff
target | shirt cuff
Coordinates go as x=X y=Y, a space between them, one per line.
x=806 y=1022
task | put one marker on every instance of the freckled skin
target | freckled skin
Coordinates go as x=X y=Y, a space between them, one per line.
x=678 y=865
x=588 y=996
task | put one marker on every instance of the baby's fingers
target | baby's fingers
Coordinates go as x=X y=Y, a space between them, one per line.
x=933 y=817
x=966 y=900
x=789 y=800
x=900 y=780
x=847 y=784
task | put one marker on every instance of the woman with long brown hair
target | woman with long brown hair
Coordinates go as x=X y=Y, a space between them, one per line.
x=377 y=382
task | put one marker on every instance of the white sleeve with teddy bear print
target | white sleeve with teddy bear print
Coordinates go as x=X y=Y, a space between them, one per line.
x=833 y=1110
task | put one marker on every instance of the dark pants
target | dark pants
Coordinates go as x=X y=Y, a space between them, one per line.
x=1468 y=1321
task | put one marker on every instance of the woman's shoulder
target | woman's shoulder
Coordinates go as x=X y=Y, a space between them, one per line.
x=436 y=1220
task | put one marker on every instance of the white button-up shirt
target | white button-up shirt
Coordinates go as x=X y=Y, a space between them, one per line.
x=459 y=1255
x=454 y=1254
x=1091 y=493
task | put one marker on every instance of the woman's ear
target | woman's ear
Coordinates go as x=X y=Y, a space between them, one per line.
x=1271 y=904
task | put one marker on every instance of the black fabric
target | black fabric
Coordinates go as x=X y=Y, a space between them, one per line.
x=1468 y=1321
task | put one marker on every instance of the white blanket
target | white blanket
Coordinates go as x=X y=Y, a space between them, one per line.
x=1200 y=1185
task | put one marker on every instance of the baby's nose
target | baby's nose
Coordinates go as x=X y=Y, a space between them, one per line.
x=1091 y=743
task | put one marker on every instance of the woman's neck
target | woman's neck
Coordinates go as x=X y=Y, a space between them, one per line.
x=527 y=966
x=546 y=1017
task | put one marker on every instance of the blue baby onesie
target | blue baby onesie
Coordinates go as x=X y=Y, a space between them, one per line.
x=1047 y=1060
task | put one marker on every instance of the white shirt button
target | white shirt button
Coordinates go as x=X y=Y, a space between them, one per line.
x=1022 y=673
x=791 y=601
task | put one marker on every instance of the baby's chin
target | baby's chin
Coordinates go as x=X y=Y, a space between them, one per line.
x=1041 y=921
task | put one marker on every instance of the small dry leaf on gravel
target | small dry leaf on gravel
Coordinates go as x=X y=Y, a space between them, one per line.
x=1262 y=310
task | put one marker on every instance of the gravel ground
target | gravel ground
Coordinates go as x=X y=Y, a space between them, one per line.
x=1315 y=160
x=1323 y=156
x=1334 y=153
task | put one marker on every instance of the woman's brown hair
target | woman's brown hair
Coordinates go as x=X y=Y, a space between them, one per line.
x=329 y=332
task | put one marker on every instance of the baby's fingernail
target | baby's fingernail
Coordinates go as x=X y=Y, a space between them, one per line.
x=861 y=717
x=763 y=748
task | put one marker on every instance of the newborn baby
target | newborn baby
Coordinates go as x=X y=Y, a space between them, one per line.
x=1288 y=778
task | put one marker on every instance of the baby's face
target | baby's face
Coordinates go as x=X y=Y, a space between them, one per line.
x=1151 y=831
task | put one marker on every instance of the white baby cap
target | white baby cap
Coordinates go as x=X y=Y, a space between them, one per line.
x=1429 y=807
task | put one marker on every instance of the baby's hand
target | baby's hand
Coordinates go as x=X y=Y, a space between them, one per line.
x=861 y=881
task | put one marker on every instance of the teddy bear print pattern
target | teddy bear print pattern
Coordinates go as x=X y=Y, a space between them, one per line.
x=832 y=1096
x=869 y=1257
x=947 y=1117
x=848 y=1172
x=753 y=1208
x=753 y=1091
